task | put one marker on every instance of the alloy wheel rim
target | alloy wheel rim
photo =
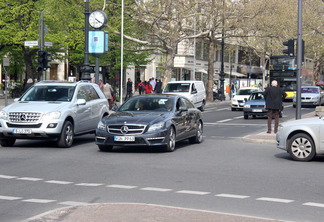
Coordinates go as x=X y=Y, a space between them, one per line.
x=301 y=147
x=69 y=134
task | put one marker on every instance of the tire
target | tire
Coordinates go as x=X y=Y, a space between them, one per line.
x=67 y=135
x=198 y=138
x=104 y=148
x=294 y=105
x=7 y=142
x=301 y=147
x=246 y=116
x=170 y=147
x=233 y=109
x=254 y=116
x=202 y=108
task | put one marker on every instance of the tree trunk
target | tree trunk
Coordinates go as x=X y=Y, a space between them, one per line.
x=30 y=70
x=169 y=64
x=211 y=58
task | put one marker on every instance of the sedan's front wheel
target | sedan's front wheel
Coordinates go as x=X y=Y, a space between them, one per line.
x=67 y=135
x=105 y=148
x=301 y=147
x=170 y=147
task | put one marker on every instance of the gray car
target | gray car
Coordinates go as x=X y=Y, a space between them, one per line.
x=53 y=110
x=302 y=139
x=310 y=96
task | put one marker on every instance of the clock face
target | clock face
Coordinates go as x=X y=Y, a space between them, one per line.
x=97 y=19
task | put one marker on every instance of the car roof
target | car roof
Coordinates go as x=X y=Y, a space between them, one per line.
x=248 y=88
x=56 y=82
x=186 y=81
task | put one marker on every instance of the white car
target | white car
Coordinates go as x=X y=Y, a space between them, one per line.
x=302 y=139
x=238 y=100
x=53 y=110
x=311 y=96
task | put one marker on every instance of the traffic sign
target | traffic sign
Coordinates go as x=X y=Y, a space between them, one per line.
x=48 y=44
x=31 y=43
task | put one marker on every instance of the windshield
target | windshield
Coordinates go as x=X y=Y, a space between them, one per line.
x=177 y=87
x=148 y=104
x=310 y=90
x=49 y=93
x=256 y=96
x=245 y=91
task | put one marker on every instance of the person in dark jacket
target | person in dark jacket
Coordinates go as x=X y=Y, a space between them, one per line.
x=129 y=89
x=273 y=96
x=158 y=86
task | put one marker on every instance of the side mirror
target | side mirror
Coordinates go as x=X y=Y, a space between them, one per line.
x=81 y=102
x=245 y=99
x=194 y=91
x=114 y=108
x=183 y=108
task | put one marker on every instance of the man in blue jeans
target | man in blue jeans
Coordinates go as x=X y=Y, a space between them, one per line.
x=129 y=89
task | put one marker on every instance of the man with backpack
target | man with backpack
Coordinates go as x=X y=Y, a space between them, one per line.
x=140 y=87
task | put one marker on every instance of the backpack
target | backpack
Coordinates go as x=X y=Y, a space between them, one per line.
x=141 y=86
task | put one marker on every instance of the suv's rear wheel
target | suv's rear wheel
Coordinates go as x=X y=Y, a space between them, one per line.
x=7 y=142
x=67 y=135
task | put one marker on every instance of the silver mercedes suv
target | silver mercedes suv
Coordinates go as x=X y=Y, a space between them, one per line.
x=53 y=110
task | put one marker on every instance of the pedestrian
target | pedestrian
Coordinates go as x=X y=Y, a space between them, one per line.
x=108 y=92
x=100 y=85
x=140 y=87
x=232 y=90
x=273 y=96
x=129 y=89
x=228 y=90
x=148 y=88
x=158 y=86
x=153 y=83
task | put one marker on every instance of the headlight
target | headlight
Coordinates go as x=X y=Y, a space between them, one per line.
x=101 y=126
x=156 y=126
x=3 y=115
x=247 y=106
x=52 y=115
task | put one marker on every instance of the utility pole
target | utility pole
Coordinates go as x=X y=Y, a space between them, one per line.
x=299 y=60
x=85 y=69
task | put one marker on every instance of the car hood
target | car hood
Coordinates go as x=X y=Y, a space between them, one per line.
x=302 y=122
x=241 y=97
x=255 y=102
x=35 y=106
x=310 y=94
x=136 y=118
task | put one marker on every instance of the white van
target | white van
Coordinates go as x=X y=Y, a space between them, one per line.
x=193 y=90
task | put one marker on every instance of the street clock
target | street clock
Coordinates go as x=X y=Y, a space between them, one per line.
x=97 y=19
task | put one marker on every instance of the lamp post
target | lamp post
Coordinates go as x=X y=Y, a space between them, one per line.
x=222 y=73
x=85 y=69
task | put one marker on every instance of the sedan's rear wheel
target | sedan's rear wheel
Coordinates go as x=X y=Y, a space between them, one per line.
x=246 y=116
x=301 y=147
x=199 y=134
x=105 y=148
x=7 y=142
x=67 y=135
x=170 y=147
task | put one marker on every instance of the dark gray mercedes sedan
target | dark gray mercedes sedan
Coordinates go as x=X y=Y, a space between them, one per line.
x=151 y=120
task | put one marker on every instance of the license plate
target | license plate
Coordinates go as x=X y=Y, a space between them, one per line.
x=124 y=138
x=22 y=131
x=257 y=110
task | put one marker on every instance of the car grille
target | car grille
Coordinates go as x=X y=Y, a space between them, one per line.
x=240 y=101
x=306 y=98
x=126 y=129
x=24 y=125
x=257 y=106
x=24 y=117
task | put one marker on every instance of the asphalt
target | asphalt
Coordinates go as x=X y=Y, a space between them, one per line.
x=142 y=212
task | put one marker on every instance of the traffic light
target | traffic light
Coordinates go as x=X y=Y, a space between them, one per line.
x=46 y=60
x=40 y=61
x=291 y=47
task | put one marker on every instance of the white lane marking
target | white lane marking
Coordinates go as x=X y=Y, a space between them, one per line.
x=121 y=186
x=38 y=201
x=275 y=200
x=7 y=177
x=312 y=204
x=224 y=120
x=89 y=184
x=232 y=196
x=238 y=117
x=193 y=192
x=73 y=203
x=58 y=182
x=234 y=124
x=156 y=189
x=9 y=198
x=29 y=178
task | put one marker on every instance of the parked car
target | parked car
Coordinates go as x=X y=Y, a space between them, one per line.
x=302 y=138
x=151 y=120
x=255 y=106
x=310 y=96
x=193 y=90
x=238 y=100
x=53 y=110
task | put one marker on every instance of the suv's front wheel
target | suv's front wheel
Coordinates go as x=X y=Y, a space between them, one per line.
x=7 y=142
x=67 y=135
